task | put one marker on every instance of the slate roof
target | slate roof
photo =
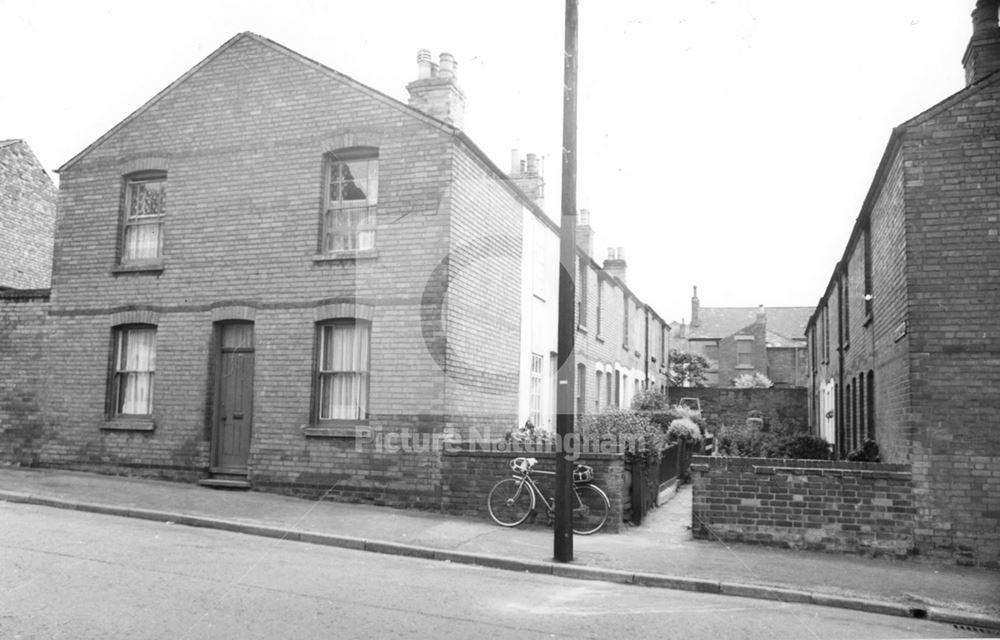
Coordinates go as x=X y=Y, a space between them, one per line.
x=783 y=322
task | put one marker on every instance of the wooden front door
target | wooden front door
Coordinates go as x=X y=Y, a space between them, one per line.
x=234 y=409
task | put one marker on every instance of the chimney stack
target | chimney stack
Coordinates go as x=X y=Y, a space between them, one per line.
x=584 y=233
x=615 y=264
x=436 y=91
x=982 y=56
x=761 y=314
x=527 y=175
x=695 y=308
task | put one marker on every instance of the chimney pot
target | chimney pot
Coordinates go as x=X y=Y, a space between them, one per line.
x=435 y=91
x=584 y=218
x=982 y=55
x=695 y=309
x=984 y=16
x=611 y=253
x=532 y=164
x=423 y=64
x=515 y=161
x=621 y=253
x=448 y=67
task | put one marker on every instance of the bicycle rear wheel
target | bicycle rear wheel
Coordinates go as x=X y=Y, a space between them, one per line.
x=510 y=501
x=590 y=509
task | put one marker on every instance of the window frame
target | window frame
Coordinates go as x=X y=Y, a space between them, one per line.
x=319 y=373
x=129 y=222
x=114 y=399
x=625 y=320
x=330 y=227
x=535 y=383
x=744 y=341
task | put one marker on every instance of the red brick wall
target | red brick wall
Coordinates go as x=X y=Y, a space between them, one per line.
x=469 y=476
x=953 y=249
x=27 y=218
x=933 y=340
x=242 y=141
x=728 y=368
x=730 y=406
x=819 y=505
x=24 y=385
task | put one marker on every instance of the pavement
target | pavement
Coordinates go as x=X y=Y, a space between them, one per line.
x=660 y=554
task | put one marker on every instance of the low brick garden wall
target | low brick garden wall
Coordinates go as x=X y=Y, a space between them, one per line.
x=468 y=476
x=852 y=507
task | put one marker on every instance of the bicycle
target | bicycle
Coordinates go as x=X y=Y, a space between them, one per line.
x=512 y=500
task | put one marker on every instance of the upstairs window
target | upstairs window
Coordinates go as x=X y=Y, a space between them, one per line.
x=342 y=370
x=134 y=363
x=145 y=209
x=625 y=322
x=744 y=353
x=350 y=197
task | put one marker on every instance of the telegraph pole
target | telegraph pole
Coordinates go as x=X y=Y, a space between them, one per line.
x=565 y=396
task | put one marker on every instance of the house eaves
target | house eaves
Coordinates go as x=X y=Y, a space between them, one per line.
x=456 y=133
x=881 y=173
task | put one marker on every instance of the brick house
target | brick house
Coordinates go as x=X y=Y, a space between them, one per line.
x=904 y=345
x=740 y=340
x=27 y=218
x=336 y=283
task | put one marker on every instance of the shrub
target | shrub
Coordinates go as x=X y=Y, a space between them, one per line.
x=867 y=452
x=755 y=380
x=530 y=435
x=647 y=400
x=683 y=430
x=744 y=441
x=664 y=418
x=801 y=446
x=640 y=438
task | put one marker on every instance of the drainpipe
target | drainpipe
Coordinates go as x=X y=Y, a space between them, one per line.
x=839 y=401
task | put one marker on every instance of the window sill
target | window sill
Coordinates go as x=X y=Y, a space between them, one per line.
x=747 y=367
x=345 y=256
x=868 y=320
x=349 y=429
x=599 y=338
x=138 y=267
x=582 y=329
x=138 y=423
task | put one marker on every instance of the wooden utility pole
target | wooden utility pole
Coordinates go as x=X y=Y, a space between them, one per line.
x=565 y=396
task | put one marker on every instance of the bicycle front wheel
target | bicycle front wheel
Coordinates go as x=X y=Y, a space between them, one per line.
x=510 y=501
x=590 y=509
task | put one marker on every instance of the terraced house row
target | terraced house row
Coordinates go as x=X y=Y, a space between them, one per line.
x=269 y=264
x=904 y=345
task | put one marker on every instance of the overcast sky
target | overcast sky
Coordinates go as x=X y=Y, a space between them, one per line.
x=724 y=143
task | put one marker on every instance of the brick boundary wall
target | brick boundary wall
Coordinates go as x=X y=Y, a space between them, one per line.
x=23 y=377
x=468 y=476
x=820 y=505
x=729 y=406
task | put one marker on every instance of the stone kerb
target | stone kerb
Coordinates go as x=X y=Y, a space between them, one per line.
x=822 y=505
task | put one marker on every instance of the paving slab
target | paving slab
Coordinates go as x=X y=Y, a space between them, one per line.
x=660 y=553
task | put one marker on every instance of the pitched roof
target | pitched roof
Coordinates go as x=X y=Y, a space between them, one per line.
x=277 y=47
x=882 y=170
x=719 y=322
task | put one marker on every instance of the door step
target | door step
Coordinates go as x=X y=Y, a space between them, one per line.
x=226 y=481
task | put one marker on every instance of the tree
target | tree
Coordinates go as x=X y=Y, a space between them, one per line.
x=687 y=369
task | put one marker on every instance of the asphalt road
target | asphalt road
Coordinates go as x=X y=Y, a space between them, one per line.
x=66 y=574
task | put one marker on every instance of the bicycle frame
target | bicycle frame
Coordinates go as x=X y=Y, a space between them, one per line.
x=526 y=478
